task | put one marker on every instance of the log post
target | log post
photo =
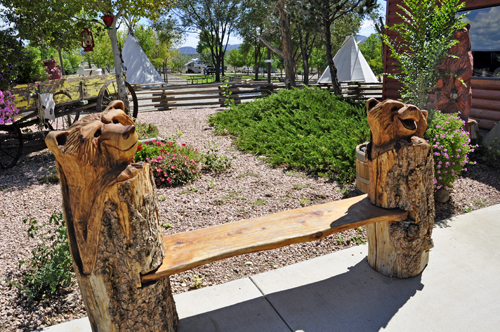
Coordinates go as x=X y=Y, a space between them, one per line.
x=111 y=215
x=401 y=168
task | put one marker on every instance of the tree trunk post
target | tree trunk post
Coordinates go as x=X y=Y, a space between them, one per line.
x=60 y=59
x=401 y=171
x=111 y=213
x=120 y=81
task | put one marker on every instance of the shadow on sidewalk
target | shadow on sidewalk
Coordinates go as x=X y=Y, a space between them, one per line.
x=358 y=300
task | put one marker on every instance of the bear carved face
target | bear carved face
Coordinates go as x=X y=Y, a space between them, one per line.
x=391 y=120
x=102 y=139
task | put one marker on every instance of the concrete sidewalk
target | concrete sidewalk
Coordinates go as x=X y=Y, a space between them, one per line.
x=458 y=291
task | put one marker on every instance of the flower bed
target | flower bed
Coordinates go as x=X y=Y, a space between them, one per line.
x=172 y=165
x=450 y=145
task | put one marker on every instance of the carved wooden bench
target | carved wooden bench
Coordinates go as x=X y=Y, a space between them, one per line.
x=190 y=249
x=122 y=261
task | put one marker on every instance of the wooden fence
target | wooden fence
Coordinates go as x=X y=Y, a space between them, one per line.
x=161 y=98
x=357 y=90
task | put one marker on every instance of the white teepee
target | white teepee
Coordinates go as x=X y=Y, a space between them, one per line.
x=139 y=69
x=351 y=65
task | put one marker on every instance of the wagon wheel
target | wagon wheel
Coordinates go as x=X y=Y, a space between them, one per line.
x=65 y=116
x=11 y=145
x=109 y=92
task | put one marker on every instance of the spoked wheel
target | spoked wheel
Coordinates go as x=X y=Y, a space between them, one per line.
x=65 y=115
x=11 y=145
x=109 y=92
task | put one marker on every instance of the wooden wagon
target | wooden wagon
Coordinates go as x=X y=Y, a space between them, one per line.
x=72 y=96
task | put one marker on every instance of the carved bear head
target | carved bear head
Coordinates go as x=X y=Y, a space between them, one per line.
x=391 y=120
x=92 y=155
x=102 y=139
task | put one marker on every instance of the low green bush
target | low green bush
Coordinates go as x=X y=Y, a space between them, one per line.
x=450 y=145
x=212 y=161
x=50 y=265
x=307 y=129
x=146 y=130
x=172 y=164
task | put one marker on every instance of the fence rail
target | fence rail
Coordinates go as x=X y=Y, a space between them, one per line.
x=162 y=98
x=166 y=98
x=356 y=90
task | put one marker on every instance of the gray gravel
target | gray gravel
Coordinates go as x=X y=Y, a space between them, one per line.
x=194 y=206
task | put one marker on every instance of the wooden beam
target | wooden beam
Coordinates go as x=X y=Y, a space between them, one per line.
x=190 y=249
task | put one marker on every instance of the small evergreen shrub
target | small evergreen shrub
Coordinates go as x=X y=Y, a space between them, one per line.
x=451 y=146
x=146 y=130
x=212 y=161
x=50 y=265
x=307 y=129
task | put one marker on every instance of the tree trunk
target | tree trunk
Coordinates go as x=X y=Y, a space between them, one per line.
x=286 y=41
x=329 y=57
x=60 y=60
x=120 y=81
x=401 y=176
x=305 y=58
x=256 y=66
x=130 y=243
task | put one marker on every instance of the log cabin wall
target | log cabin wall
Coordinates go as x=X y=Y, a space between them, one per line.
x=485 y=91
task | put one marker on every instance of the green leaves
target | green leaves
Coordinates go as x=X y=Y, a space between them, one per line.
x=425 y=36
x=50 y=265
x=305 y=129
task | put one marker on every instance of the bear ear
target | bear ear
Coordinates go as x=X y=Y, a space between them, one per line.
x=54 y=139
x=371 y=103
x=468 y=26
x=115 y=104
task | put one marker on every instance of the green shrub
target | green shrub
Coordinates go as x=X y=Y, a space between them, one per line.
x=450 y=145
x=146 y=130
x=307 y=129
x=147 y=150
x=212 y=161
x=172 y=164
x=50 y=265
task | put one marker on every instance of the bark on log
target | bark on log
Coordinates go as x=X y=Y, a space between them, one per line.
x=401 y=176
x=111 y=215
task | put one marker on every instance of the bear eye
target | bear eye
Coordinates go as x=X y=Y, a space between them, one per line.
x=394 y=109
x=116 y=121
x=97 y=133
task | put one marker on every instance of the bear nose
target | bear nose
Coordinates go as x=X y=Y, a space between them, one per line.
x=128 y=131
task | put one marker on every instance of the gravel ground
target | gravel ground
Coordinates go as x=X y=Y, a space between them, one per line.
x=249 y=189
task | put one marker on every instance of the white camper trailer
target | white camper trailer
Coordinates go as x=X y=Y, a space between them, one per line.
x=194 y=66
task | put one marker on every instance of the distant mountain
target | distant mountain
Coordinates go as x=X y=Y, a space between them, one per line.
x=360 y=39
x=192 y=51
x=188 y=50
x=232 y=47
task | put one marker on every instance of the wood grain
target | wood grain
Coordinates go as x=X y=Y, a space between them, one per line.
x=190 y=249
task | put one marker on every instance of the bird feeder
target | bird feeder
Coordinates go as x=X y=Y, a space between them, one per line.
x=87 y=40
x=108 y=21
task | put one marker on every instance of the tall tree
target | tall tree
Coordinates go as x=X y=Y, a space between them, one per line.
x=329 y=11
x=371 y=49
x=286 y=51
x=46 y=23
x=215 y=20
x=235 y=59
x=49 y=17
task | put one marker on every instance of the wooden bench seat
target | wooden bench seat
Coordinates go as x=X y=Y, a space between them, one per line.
x=190 y=249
